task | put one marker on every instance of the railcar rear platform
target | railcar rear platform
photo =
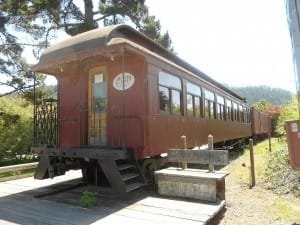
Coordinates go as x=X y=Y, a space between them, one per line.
x=143 y=206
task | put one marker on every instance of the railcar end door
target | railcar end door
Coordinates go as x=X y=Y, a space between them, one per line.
x=97 y=106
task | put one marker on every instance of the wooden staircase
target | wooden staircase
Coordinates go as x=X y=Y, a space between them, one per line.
x=122 y=175
x=131 y=176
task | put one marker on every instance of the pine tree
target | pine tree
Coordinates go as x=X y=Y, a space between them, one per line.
x=37 y=21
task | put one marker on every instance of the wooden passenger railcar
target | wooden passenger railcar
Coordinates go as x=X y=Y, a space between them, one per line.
x=260 y=123
x=120 y=91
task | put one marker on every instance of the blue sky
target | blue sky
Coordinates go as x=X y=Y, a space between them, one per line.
x=237 y=42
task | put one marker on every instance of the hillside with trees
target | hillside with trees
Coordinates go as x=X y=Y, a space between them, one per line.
x=274 y=96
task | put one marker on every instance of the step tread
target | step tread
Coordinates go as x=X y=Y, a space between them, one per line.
x=133 y=186
x=128 y=176
x=125 y=166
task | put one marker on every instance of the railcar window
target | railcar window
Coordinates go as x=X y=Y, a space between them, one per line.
x=170 y=92
x=189 y=105
x=164 y=99
x=193 y=89
x=206 y=106
x=235 y=109
x=229 y=109
x=175 y=103
x=197 y=106
x=246 y=115
x=249 y=118
x=220 y=107
x=169 y=80
x=209 y=104
x=240 y=114
x=193 y=99
x=212 y=111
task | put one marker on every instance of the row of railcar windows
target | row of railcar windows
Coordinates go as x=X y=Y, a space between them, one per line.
x=215 y=106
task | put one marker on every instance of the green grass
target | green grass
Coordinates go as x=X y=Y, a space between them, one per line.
x=14 y=173
x=261 y=157
x=10 y=162
x=284 y=207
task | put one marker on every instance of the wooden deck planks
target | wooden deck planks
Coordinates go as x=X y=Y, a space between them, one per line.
x=144 y=206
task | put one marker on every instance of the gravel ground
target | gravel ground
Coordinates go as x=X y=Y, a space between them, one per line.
x=246 y=206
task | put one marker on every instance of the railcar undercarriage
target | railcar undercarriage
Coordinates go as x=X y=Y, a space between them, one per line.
x=113 y=168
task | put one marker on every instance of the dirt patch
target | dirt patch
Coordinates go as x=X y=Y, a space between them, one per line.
x=246 y=206
x=256 y=206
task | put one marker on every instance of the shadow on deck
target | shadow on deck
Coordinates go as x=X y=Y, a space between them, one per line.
x=143 y=206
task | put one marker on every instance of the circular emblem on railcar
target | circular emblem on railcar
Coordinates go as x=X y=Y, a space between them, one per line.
x=123 y=81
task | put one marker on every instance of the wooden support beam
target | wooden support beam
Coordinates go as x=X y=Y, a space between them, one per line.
x=25 y=166
x=210 y=142
x=216 y=157
x=184 y=147
x=252 y=168
x=270 y=146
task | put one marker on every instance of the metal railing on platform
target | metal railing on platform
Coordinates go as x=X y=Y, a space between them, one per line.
x=15 y=169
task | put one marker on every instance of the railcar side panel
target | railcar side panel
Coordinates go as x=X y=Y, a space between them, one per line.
x=165 y=129
x=125 y=105
x=128 y=105
x=260 y=122
x=69 y=105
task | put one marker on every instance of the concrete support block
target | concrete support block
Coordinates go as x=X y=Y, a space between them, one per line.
x=191 y=183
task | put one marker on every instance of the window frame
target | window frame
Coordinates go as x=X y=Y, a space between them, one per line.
x=234 y=111
x=220 y=106
x=194 y=95
x=209 y=104
x=228 y=109
x=171 y=89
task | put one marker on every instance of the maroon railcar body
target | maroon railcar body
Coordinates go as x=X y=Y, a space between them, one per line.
x=109 y=97
x=73 y=102
x=260 y=123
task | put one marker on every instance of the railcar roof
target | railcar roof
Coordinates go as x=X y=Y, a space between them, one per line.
x=100 y=37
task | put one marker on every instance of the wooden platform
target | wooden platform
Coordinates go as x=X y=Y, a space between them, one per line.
x=19 y=206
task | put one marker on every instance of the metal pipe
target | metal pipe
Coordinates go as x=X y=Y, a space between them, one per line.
x=80 y=105
x=94 y=113
x=123 y=100
x=34 y=110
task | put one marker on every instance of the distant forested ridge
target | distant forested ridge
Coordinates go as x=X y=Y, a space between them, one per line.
x=275 y=96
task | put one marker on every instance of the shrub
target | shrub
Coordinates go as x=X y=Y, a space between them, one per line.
x=88 y=199
x=15 y=127
x=279 y=175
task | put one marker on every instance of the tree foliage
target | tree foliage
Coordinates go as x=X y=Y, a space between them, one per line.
x=261 y=105
x=33 y=22
x=151 y=27
x=15 y=127
x=19 y=22
x=289 y=112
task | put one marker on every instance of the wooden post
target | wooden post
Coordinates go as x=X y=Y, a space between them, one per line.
x=210 y=147
x=270 y=146
x=252 y=168
x=184 y=147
